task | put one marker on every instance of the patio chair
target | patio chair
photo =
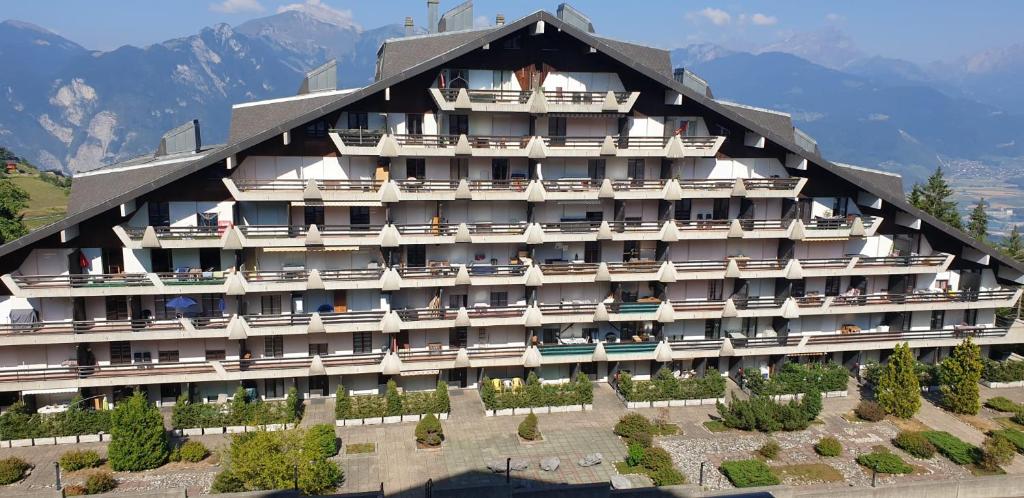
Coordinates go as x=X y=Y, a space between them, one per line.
x=496 y=383
x=517 y=383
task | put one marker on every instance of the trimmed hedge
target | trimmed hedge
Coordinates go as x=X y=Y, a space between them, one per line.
x=240 y=411
x=190 y=451
x=528 y=428
x=428 y=431
x=884 y=462
x=20 y=423
x=347 y=406
x=828 y=447
x=1001 y=404
x=914 y=443
x=1002 y=371
x=762 y=414
x=665 y=386
x=257 y=461
x=79 y=459
x=953 y=447
x=321 y=441
x=794 y=378
x=534 y=394
x=749 y=473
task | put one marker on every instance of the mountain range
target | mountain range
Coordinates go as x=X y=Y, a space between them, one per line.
x=69 y=108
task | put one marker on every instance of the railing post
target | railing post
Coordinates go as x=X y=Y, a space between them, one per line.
x=508 y=470
x=56 y=469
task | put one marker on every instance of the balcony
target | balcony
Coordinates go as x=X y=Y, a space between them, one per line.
x=285 y=190
x=674 y=147
x=535 y=102
x=921 y=301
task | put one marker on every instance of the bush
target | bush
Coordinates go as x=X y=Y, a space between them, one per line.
x=884 y=462
x=138 y=439
x=811 y=404
x=18 y=423
x=321 y=441
x=959 y=376
x=267 y=461
x=428 y=431
x=319 y=477
x=795 y=378
x=227 y=482
x=634 y=453
x=914 y=443
x=584 y=389
x=1018 y=417
x=762 y=414
x=1012 y=435
x=74 y=490
x=192 y=451
x=293 y=405
x=528 y=428
x=828 y=447
x=393 y=399
x=634 y=427
x=12 y=469
x=1002 y=371
x=79 y=459
x=870 y=411
x=953 y=448
x=441 y=402
x=749 y=473
x=188 y=415
x=770 y=449
x=100 y=482
x=666 y=476
x=666 y=386
x=1001 y=404
x=655 y=458
x=898 y=390
x=342 y=403
x=996 y=452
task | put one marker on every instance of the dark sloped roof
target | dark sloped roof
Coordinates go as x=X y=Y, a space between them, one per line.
x=654 y=58
x=398 y=54
x=249 y=119
x=890 y=182
x=779 y=122
x=870 y=183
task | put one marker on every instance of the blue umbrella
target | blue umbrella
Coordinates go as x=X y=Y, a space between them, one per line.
x=181 y=302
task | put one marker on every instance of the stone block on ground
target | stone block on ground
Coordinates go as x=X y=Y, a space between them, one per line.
x=621 y=482
x=549 y=464
x=591 y=460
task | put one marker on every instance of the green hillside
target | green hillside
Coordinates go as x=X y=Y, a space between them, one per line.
x=48 y=192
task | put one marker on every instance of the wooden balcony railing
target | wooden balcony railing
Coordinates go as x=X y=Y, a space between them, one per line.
x=82 y=281
x=357 y=137
x=564 y=97
x=248 y=185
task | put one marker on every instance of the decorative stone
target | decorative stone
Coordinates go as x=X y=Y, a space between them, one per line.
x=518 y=464
x=591 y=460
x=549 y=464
x=621 y=482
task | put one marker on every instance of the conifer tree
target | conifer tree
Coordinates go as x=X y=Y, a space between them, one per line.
x=898 y=391
x=138 y=439
x=1013 y=244
x=958 y=378
x=933 y=197
x=977 y=222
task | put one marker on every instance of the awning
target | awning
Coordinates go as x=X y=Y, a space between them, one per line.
x=586 y=114
x=413 y=373
x=58 y=390
x=312 y=249
x=338 y=203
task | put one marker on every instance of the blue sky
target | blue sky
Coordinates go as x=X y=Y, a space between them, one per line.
x=917 y=30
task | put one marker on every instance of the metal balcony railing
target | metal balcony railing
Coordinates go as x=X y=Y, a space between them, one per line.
x=82 y=281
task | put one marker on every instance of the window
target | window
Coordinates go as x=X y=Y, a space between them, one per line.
x=211 y=304
x=715 y=290
x=317 y=129
x=596 y=169
x=414 y=124
x=358 y=121
x=831 y=286
x=273 y=388
x=215 y=355
x=416 y=255
x=160 y=309
x=799 y=288
x=458 y=124
x=499 y=169
x=459 y=168
x=499 y=299
x=942 y=285
x=938 y=319
x=168 y=356
x=362 y=342
x=592 y=252
x=684 y=209
x=720 y=211
x=713 y=329
x=416 y=168
x=456 y=301
x=270 y=304
x=120 y=353
x=117 y=307
x=313 y=215
x=318 y=349
x=971 y=317
x=750 y=326
x=209 y=258
x=557 y=127
x=273 y=346
x=458 y=337
x=839 y=207
x=359 y=215
x=635 y=168
x=159 y=214
x=454 y=78
x=591 y=334
x=161 y=261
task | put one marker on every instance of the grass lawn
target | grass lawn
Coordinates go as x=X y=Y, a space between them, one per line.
x=1008 y=423
x=624 y=468
x=979 y=471
x=667 y=429
x=908 y=424
x=352 y=449
x=47 y=203
x=716 y=426
x=808 y=473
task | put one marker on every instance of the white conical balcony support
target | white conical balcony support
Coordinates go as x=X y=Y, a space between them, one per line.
x=727 y=349
x=536 y=149
x=388 y=147
x=462 y=147
x=538 y=102
x=729 y=310
x=314 y=281
x=667 y=273
x=663 y=353
x=797 y=231
x=600 y=313
x=610 y=104
x=389 y=192
x=462 y=276
x=534 y=276
x=531 y=357
x=316 y=324
x=739 y=189
x=603 y=275
x=604 y=231
x=790 y=309
x=666 y=313
x=313 y=236
x=462 y=235
x=534 y=234
x=674 y=148
x=390 y=280
x=462 y=191
x=532 y=317
x=389 y=236
x=316 y=367
x=231 y=240
x=607 y=191
x=391 y=323
x=312 y=191
x=462 y=317
x=461 y=358
x=599 y=353
x=391 y=364
x=535 y=192
x=735 y=230
x=234 y=285
x=672 y=191
x=149 y=238
x=732 y=269
x=669 y=232
x=238 y=329
x=794 y=271
x=462 y=100
x=857 y=228
x=608 y=147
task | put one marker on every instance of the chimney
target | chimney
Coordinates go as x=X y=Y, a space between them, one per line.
x=432 y=6
x=184 y=138
x=408 y=26
x=678 y=74
x=500 y=20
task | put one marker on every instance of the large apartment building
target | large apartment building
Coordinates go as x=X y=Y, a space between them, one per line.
x=529 y=195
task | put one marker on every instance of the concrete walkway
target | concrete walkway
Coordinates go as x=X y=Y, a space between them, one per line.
x=318 y=411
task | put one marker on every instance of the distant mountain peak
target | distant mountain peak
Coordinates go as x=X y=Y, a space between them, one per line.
x=14 y=23
x=828 y=46
x=320 y=12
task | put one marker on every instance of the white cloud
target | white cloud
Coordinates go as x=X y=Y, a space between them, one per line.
x=323 y=12
x=833 y=17
x=718 y=17
x=236 y=6
x=763 y=20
